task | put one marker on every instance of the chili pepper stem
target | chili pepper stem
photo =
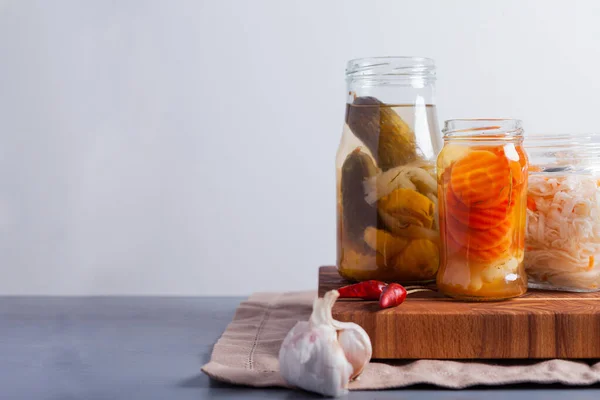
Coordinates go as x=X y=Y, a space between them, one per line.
x=419 y=290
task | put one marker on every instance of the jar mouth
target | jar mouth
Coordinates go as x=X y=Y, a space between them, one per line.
x=552 y=150
x=483 y=129
x=391 y=68
x=544 y=140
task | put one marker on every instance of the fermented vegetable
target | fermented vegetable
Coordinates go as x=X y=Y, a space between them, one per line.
x=482 y=196
x=357 y=214
x=380 y=128
x=563 y=232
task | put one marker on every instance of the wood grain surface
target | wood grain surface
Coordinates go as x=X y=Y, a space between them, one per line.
x=541 y=324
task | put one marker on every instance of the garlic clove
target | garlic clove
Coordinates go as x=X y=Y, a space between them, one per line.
x=357 y=348
x=352 y=337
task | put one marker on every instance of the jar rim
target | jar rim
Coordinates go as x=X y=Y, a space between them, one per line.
x=556 y=149
x=483 y=129
x=378 y=59
x=391 y=68
x=536 y=140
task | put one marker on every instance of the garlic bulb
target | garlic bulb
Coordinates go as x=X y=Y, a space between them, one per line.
x=322 y=355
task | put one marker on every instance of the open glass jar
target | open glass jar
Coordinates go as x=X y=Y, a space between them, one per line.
x=386 y=186
x=482 y=177
x=563 y=213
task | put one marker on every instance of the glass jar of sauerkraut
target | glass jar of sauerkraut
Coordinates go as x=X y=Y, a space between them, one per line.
x=562 y=248
x=482 y=188
x=386 y=185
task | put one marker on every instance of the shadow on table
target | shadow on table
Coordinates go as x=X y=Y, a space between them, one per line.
x=198 y=381
x=217 y=389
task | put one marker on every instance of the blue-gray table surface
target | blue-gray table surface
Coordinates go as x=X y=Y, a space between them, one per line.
x=62 y=348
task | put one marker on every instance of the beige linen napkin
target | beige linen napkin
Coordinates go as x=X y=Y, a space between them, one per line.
x=247 y=354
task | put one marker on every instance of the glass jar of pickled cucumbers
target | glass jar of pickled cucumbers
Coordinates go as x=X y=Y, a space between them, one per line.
x=386 y=182
x=562 y=241
x=482 y=189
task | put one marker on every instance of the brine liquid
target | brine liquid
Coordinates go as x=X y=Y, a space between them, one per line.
x=387 y=193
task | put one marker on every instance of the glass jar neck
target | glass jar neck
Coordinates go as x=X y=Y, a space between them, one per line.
x=560 y=153
x=392 y=80
x=483 y=131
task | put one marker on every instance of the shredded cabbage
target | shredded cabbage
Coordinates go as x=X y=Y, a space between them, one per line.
x=563 y=232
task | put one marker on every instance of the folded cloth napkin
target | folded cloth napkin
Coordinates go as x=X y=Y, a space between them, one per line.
x=247 y=354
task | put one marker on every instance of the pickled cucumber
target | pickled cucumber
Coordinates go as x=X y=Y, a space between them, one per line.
x=380 y=128
x=357 y=214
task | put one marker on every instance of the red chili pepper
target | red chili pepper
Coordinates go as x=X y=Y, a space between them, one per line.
x=367 y=290
x=393 y=295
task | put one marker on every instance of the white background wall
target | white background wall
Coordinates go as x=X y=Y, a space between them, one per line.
x=187 y=147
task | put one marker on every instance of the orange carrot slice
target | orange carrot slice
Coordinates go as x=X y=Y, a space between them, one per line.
x=478 y=239
x=478 y=218
x=497 y=150
x=454 y=249
x=481 y=179
x=516 y=165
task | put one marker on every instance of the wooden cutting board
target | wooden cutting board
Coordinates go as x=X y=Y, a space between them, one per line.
x=541 y=324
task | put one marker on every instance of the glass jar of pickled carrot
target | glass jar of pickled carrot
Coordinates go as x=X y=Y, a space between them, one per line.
x=386 y=182
x=562 y=241
x=482 y=191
